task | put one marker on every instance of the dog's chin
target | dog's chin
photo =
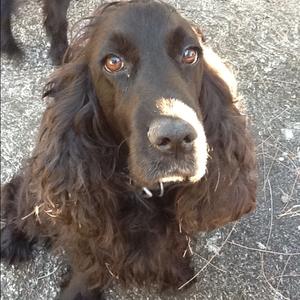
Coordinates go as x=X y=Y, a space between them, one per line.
x=148 y=169
x=166 y=178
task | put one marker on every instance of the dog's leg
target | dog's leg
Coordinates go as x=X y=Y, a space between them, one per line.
x=55 y=12
x=8 y=43
x=77 y=289
x=16 y=245
x=181 y=273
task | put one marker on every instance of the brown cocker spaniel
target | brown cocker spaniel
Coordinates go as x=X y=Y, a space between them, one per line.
x=140 y=147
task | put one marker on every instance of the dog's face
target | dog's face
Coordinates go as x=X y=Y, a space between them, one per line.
x=146 y=65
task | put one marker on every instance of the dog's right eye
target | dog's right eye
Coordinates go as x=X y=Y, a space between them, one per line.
x=113 y=63
x=190 y=56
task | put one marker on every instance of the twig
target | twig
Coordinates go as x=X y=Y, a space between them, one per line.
x=267 y=281
x=110 y=271
x=213 y=265
x=282 y=273
x=262 y=250
x=49 y=274
x=278 y=115
x=291 y=193
x=271 y=214
x=294 y=184
x=286 y=275
x=282 y=81
x=291 y=212
x=291 y=169
x=209 y=261
x=218 y=180
x=264 y=141
x=269 y=236
x=35 y=212
x=270 y=168
x=276 y=146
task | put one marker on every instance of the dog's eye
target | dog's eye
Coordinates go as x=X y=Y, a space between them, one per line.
x=190 y=56
x=113 y=63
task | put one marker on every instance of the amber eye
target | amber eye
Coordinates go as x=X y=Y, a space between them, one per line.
x=190 y=56
x=113 y=63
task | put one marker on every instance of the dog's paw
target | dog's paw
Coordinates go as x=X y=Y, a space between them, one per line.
x=57 y=51
x=187 y=278
x=15 y=245
x=83 y=296
x=182 y=279
x=80 y=296
x=74 y=287
x=11 y=48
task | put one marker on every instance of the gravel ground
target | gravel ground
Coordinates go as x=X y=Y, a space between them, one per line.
x=258 y=258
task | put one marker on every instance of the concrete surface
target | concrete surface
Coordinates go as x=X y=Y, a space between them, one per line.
x=258 y=258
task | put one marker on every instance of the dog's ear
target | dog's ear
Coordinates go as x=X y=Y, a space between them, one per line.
x=228 y=189
x=75 y=156
x=75 y=152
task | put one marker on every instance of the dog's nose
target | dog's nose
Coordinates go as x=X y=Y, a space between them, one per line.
x=171 y=135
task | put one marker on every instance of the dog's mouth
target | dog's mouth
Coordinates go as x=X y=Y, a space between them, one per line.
x=157 y=176
x=157 y=190
x=171 y=148
x=151 y=170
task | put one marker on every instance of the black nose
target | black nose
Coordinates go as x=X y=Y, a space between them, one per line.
x=171 y=135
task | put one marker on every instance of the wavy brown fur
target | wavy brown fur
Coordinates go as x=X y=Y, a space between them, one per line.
x=76 y=182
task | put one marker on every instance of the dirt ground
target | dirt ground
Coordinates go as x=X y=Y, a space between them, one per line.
x=257 y=258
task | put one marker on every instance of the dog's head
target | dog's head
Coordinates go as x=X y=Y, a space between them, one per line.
x=146 y=66
x=141 y=96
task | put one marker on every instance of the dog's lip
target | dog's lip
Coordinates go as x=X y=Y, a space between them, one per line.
x=165 y=181
x=157 y=190
x=150 y=173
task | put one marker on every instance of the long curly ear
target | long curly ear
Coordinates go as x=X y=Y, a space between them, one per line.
x=228 y=189
x=69 y=176
x=74 y=159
